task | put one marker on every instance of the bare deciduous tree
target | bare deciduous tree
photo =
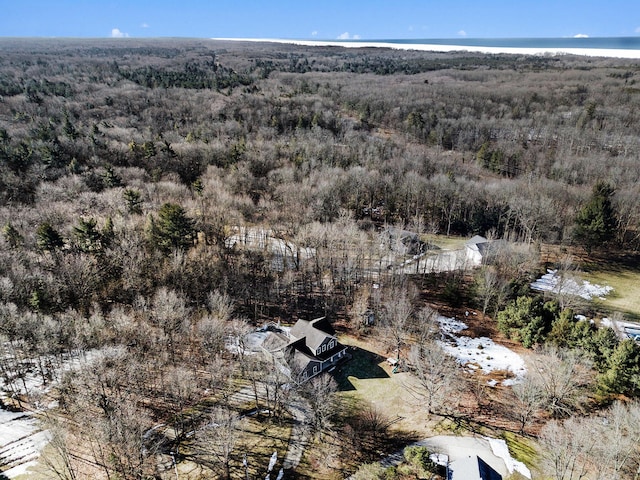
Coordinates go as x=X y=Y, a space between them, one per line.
x=528 y=400
x=567 y=449
x=567 y=278
x=212 y=332
x=562 y=377
x=426 y=326
x=275 y=382
x=397 y=319
x=59 y=460
x=618 y=448
x=220 y=305
x=171 y=314
x=437 y=376
x=180 y=389
x=601 y=447
x=360 y=306
x=320 y=393
x=487 y=285
x=217 y=439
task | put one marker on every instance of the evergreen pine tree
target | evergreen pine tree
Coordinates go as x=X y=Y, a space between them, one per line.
x=595 y=222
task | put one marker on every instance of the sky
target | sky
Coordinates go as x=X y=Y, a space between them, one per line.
x=321 y=19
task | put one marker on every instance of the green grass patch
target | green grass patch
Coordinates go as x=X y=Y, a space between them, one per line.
x=364 y=365
x=446 y=426
x=520 y=448
x=625 y=297
x=444 y=242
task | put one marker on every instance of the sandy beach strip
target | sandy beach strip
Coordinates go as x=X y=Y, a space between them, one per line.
x=589 y=52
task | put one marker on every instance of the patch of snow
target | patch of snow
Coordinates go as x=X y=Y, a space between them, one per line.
x=451 y=325
x=607 y=322
x=21 y=437
x=510 y=382
x=439 y=459
x=272 y=461
x=19 y=470
x=622 y=329
x=285 y=253
x=286 y=330
x=554 y=283
x=480 y=353
x=500 y=449
x=21 y=441
x=149 y=432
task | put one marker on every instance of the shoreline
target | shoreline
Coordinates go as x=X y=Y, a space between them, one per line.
x=587 y=52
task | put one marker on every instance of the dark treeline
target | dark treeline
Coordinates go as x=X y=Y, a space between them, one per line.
x=127 y=166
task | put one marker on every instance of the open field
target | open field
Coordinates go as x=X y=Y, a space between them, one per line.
x=621 y=272
x=615 y=269
x=625 y=297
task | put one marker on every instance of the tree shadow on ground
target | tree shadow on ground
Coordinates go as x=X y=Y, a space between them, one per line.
x=363 y=364
x=611 y=260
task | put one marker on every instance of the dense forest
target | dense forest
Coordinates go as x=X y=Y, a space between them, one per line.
x=128 y=167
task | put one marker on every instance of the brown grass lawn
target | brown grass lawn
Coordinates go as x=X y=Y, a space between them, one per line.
x=369 y=378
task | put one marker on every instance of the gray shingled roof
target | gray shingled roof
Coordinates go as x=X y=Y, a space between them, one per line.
x=315 y=332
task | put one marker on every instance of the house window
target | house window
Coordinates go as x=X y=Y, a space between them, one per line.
x=315 y=369
x=330 y=344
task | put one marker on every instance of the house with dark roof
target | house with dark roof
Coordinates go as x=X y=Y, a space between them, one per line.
x=313 y=348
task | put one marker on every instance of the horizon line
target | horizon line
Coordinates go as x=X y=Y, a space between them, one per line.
x=437 y=47
x=345 y=40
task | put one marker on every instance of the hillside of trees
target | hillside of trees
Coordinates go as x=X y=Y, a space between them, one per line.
x=126 y=165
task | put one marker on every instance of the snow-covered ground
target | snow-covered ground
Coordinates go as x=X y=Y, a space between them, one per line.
x=21 y=441
x=442 y=261
x=21 y=436
x=500 y=449
x=480 y=353
x=552 y=282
